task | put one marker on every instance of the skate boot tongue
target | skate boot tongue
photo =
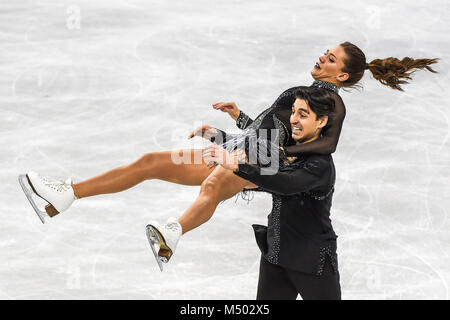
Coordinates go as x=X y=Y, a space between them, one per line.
x=172 y=233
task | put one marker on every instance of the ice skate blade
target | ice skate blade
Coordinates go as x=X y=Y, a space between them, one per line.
x=27 y=189
x=155 y=238
x=152 y=240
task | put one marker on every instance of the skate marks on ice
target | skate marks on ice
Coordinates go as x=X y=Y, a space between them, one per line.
x=79 y=102
x=379 y=272
x=405 y=228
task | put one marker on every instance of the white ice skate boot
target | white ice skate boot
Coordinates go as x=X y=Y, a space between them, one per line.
x=163 y=239
x=59 y=195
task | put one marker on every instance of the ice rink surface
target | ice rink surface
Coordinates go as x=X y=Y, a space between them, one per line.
x=86 y=86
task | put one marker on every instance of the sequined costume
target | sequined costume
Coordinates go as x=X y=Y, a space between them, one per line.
x=299 y=235
x=298 y=246
x=278 y=115
x=299 y=241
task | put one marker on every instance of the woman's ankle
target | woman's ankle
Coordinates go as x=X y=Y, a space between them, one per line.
x=76 y=191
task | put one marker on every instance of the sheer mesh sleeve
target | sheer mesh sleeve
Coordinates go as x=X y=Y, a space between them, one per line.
x=328 y=141
x=244 y=121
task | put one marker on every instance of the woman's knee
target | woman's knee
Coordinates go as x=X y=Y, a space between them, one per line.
x=145 y=162
x=211 y=187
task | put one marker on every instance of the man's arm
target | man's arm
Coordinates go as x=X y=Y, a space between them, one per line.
x=308 y=176
x=305 y=178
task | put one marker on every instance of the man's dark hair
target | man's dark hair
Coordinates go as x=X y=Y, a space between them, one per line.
x=321 y=101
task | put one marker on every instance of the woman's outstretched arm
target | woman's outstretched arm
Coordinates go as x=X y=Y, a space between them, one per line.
x=242 y=120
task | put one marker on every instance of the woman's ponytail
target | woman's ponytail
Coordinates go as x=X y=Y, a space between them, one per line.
x=393 y=72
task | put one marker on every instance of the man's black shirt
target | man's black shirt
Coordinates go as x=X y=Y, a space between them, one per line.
x=299 y=235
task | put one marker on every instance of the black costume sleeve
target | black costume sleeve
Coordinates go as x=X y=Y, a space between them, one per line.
x=328 y=141
x=311 y=175
x=243 y=121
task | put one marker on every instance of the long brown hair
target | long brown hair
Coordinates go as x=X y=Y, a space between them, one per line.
x=391 y=71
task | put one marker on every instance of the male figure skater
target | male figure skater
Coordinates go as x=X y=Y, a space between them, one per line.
x=299 y=245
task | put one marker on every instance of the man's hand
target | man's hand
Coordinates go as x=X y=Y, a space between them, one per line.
x=228 y=107
x=215 y=153
x=203 y=131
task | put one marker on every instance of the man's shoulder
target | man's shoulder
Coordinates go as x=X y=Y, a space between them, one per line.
x=317 y=161
x=326 y=158
x=322 y=167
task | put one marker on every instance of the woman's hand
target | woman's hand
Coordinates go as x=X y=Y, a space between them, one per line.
x=228 y=107
x=203 y=131
x=215 y=153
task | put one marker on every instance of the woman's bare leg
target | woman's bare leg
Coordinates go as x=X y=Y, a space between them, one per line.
x=155 y=165
x=220 y=185
x=217 y=184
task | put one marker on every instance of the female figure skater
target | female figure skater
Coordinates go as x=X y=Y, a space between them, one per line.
x=340 y=67
x=298 y=245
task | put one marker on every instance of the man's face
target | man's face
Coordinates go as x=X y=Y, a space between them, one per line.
x=304 y=123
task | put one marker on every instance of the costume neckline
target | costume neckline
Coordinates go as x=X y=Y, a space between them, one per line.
x=325 y=85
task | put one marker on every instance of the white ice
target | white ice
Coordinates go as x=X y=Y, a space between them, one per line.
x=86 y=86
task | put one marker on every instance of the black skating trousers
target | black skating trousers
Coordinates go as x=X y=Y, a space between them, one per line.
x=278 y=283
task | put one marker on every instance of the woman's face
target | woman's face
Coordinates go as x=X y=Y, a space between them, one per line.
x=329 y=66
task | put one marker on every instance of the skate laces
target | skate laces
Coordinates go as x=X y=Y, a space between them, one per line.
x=173 y=225
x=56 y=185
